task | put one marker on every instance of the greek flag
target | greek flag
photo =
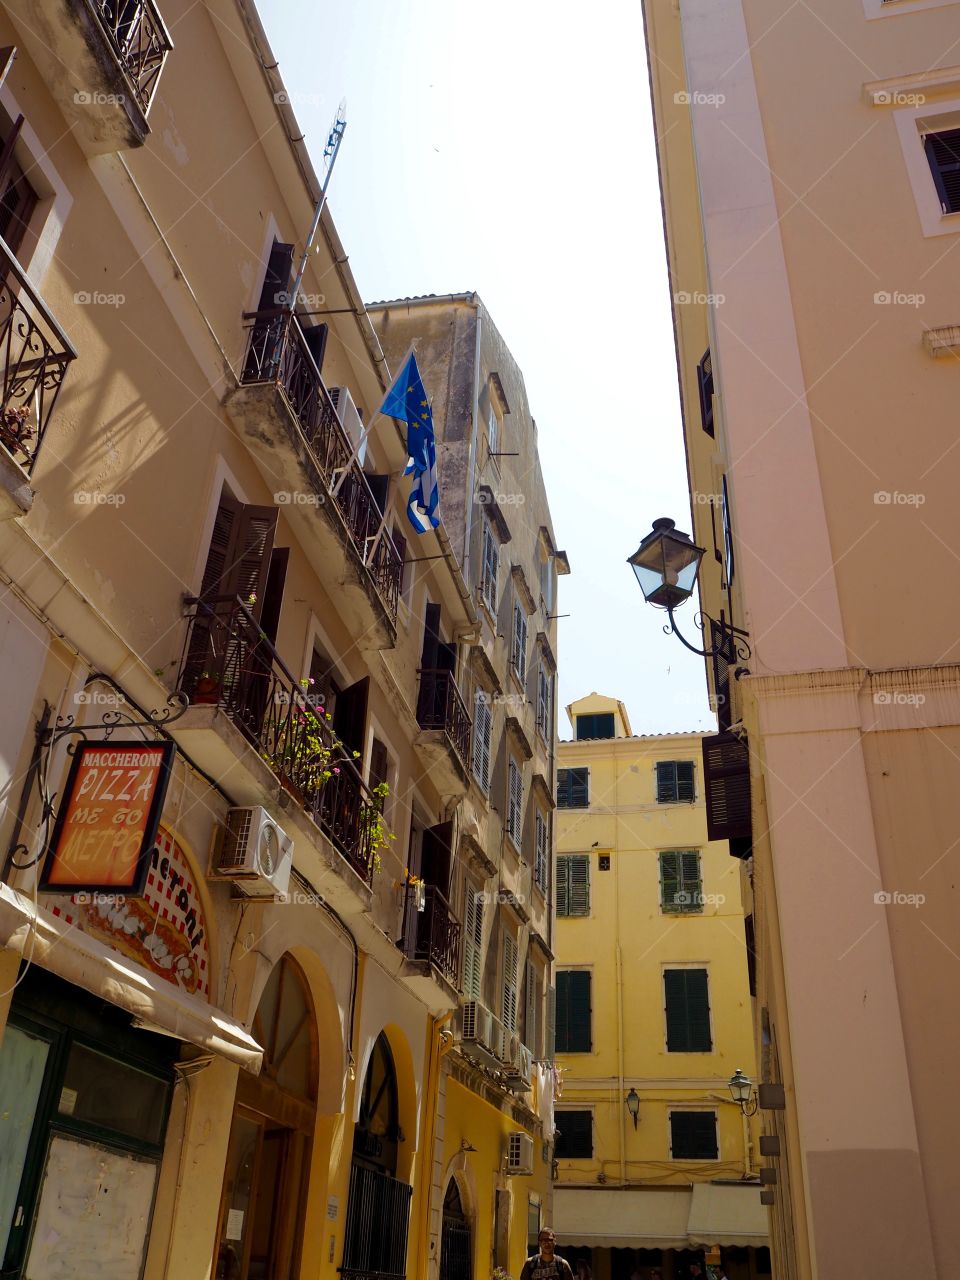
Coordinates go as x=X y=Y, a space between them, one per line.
x=407 y=401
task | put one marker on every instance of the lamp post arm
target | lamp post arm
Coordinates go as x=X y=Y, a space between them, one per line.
x=731 y=645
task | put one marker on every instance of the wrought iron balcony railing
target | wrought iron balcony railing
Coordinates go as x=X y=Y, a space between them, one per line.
x=228 y=662
x=139 y=40
x=434 y=933
x=440 y=705
x=34 y=355
x=278 y=353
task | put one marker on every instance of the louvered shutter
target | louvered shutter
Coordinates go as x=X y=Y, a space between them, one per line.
x=705 y=386
x=563 y=886
x=550 y=1040
x=943 y=155
x=669 y=880
x=574 y=1135
x=510 y=964
x=690 y=879
x=726 y=784
x=248 y=559
x=530 y=1009
x=490 y=567
x=482 y=725
x=693 y=1135
x=573 y=1012
x=579 y=884
x=514 y=802
x=520 y=641
x=473 y=945
x=542 y=854
x=684 y=780
x=543 y=702
x=687 y=1010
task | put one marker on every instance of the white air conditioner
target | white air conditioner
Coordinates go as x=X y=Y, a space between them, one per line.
x=256 y=853
x=349 y=418
x=519 y=1153
x=511 y=1050
x=500 y=1041
x=478 y=1032
x=520 y=1070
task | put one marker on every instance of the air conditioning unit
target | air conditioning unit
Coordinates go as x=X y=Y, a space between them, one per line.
x=499 y=1041
x=520 y=1072
x=511 y=1050
x=519 y=1153
x=256 y=853
x=349 y=418
x=478 y=1033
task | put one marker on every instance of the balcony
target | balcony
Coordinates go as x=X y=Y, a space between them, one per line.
x=34 y=355
x=445 y=725
x=305 y=456
x=431 y=942
x=102 y=60
x=252 y=726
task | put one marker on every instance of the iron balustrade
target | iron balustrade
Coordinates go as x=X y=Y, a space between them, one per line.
x=34 y=355
x=228 y=662
x=377 y=1225
x=440 y=705
x=139 y=40
x=278 y=353
x=434 y=933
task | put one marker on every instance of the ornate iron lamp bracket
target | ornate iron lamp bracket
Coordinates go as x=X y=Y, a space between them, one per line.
x=731 y=645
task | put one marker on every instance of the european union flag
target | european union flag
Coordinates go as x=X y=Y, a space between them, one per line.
x=407 y=401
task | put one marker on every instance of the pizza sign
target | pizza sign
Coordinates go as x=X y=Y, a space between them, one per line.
x=104 y=835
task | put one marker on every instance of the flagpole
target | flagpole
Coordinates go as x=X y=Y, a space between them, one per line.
x=331 y=149
x=364 y=434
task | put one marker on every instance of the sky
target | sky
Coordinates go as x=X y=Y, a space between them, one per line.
x=508 y=149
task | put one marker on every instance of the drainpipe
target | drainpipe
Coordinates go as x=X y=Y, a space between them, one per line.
x=621 y=1108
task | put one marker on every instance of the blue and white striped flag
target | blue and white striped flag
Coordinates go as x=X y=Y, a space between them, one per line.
x=407 y=401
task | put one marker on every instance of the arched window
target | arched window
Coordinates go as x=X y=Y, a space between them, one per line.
x=456 y=1255
x=378 y=1210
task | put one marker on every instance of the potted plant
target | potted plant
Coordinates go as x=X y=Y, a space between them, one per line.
x=207 y=689
x=376 y=832
x=307 y=750
x=15 y=432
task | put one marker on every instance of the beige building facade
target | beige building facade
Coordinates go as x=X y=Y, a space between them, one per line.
x=807 y=164
x=234 y=785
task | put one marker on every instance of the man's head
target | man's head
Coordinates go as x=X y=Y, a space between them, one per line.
x=547 y=1241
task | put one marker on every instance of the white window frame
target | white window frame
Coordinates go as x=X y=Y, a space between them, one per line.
x=493 y=427
x=913 y=123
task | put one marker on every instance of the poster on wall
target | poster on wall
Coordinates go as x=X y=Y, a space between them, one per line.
x=108 y=818
x=94 y=1213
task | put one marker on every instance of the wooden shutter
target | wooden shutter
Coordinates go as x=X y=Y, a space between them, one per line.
x=520 y=641
x=238 y=560
x=473 y=945
x=482 y=725
x=490 y=567
x=574 y=1135
x=530 y=1009
x=510 y=966
x=278 y=277
x=579 y=884
x=669 y=880
x=943 y=155
x=705 y=387
x=693 y=1135
x=563 y=886
x=726 y=783
x=379 y=485
x=579 y=788
x=573 y=1012
x=751 y=945
x=690 y=880
x=350 y=714
x=541 y=861
x=543 y=702
x=685 y=787
x=514 y=802
x=315 y=336
x=550 y=1039
x=687 y=1010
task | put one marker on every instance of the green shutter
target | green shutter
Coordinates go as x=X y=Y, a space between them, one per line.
x=563 y=886
x=690 y=879
x=687 y=1011
x=573 y=1012
x=550 y=1045
x=579 y=885
x=669 y=881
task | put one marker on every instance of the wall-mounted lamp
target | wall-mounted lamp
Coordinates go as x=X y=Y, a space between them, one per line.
x=466 y=1146
x=633 y=1105
x=666 y=565
x=741 y=1087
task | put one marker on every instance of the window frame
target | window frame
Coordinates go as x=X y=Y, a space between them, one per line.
x=575 y=1111
x=693 y=1111
x=565 y=896
x=695 y=904
x=567 y=773
x=710 y=1046
x=565 y=999
x=676 y=798
x=593 y=717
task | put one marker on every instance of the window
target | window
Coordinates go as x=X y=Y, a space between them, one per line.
x=674 y=781
x=541 y=874
x=379 y=769
x=573 y=1011
x=943 y=156
x=482 y=728
x=574 y=1139
x=603 y=862
x=17 y=203
x=681 y=889
x=573 y=787
x=687 y=1010
x=473 y=944
x=490 y=567
x=750 y=940
x=508 y=1005
x=493 y=427
x=518 y=655
x=531 y=1015
x=693 y=1135
x=598 y=726
x=546 y=580
x=573 y=884
x=543 y=703
x=705 y=387
x=514 y=802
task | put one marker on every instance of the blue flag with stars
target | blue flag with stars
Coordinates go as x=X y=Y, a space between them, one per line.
x=407 y=401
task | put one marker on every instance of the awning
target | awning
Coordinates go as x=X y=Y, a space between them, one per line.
x=727 y=1215
x=660 y=1217
x=82 y=960
x=654 y=1218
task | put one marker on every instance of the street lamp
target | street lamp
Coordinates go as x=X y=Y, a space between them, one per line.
x=633 y=1105
x=666 y=565
x=741 y=1087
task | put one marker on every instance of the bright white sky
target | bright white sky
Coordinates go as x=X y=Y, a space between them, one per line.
x=508 y=149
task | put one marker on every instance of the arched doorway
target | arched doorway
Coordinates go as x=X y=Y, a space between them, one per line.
x=268 y=1162
x=378 y=1210
x=456 y=1255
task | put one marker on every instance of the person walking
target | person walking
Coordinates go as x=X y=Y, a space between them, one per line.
x=546 y=1264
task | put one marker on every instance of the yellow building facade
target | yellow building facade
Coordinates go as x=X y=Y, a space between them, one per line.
x=656 y=1165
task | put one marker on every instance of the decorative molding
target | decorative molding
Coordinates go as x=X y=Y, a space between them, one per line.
x=519 y=736
x=523 y=588
x=895 y=90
